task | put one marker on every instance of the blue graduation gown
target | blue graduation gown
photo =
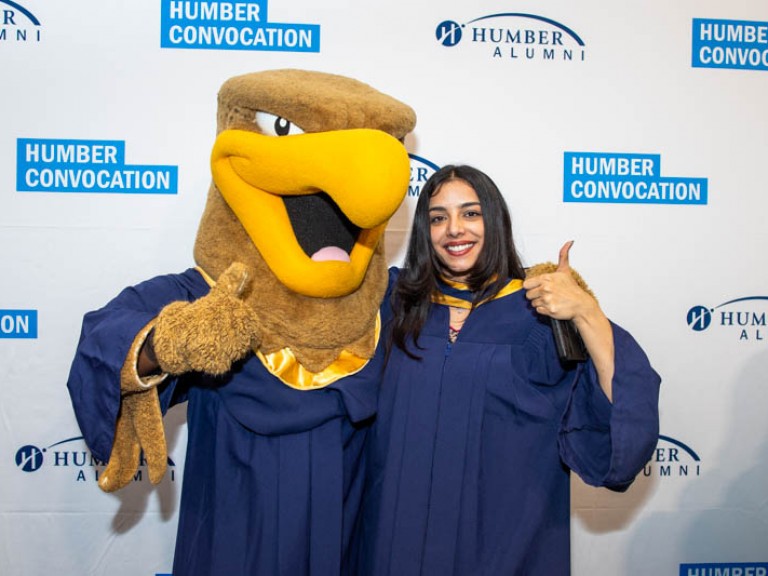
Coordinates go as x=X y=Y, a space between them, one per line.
x=272 y=476
x=470 y=454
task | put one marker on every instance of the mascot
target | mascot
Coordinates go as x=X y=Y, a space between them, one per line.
x=272 y=340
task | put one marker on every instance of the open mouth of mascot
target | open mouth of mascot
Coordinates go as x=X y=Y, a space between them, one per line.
x=322 y=230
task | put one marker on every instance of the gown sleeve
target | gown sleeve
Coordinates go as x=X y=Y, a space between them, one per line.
x=608 y=444
x=105 y=339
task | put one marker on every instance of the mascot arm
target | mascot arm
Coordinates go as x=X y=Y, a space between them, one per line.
x=106 y=340
x=206 y=335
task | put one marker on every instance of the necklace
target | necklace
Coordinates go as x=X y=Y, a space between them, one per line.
x=457 y=317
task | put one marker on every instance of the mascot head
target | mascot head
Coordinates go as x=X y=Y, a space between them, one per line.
x=307 y=167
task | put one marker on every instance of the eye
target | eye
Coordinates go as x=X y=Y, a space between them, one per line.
x=436 y=219
x=272 y=125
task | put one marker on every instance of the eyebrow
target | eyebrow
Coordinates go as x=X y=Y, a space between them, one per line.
x=465 y=205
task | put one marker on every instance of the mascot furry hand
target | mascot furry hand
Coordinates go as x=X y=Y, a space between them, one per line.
x=570 y=346
x=307 y=169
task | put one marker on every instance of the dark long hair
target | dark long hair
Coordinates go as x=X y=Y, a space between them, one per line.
x=497 y=263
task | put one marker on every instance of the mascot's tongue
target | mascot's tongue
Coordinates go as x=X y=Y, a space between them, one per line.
x=330 y=253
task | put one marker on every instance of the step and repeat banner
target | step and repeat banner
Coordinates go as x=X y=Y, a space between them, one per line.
x=637 y=129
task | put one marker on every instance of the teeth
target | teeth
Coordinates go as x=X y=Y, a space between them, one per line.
x=459 y=248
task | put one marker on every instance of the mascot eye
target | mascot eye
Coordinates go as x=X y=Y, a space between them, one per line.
x=272 y=125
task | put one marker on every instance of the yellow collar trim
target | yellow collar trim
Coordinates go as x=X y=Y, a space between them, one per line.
x=284 y=366
x=456 y=284
x=445 y=300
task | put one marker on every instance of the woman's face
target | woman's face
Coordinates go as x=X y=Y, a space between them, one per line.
x=456 y=227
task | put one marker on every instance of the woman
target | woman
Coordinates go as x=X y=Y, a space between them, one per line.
x=479 y=422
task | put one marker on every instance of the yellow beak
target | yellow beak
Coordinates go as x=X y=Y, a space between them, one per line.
x=365 y=172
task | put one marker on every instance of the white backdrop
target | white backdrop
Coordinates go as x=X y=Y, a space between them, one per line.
x=526 y=84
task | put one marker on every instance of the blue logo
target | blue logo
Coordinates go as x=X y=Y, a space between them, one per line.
x=626 y=179
x=231 y=25
x=747 y=316
x=95 y=166
x=17 y=24
x=699 y=318
x=516 y=36
x=18 y=324
x=727 y=569
x=29 y=458
x=738 y=44
x=421 y=170
x=448 y=33
x=673 y=459
x=78 y=461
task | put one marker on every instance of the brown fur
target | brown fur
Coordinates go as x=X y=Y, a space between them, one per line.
x=315 y=101
x=549 y=267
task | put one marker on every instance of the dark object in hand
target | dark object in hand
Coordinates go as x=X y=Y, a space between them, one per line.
x=570 y=346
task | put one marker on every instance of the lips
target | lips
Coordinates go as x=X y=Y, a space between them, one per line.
x=459 y=249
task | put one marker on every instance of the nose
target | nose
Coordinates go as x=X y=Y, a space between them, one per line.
x=455 y=226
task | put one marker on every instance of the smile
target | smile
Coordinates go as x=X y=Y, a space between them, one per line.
x=459 y=249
